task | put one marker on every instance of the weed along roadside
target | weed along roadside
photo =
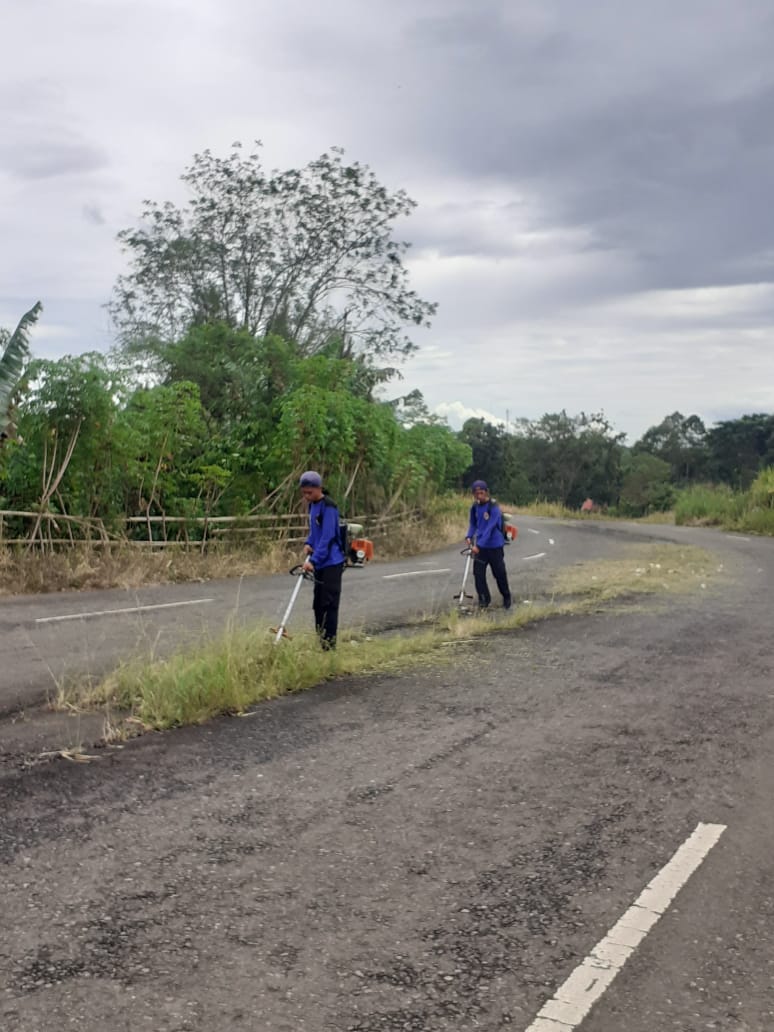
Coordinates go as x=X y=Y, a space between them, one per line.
x=243 y=667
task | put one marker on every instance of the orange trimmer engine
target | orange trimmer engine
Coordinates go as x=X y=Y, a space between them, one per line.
x=361 y=551
x=509 y=528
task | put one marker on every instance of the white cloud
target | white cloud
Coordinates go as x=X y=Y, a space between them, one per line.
x=456 y=413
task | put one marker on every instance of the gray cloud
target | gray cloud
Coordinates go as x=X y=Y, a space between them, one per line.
x=44 y=159
x=593 y=178
x=40 y=138
x=649 y=126
x=93 y=213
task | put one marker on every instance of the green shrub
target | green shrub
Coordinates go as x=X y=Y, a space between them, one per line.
x=761 y=494
x=757 y=521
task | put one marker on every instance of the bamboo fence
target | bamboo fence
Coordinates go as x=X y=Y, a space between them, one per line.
x=58 y=530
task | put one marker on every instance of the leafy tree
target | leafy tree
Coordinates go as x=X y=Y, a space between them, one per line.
x=315 y=421
x=740 y=448
x=64 y=460
x=164 y=453
x=306 y=253
x=646 y=485
x=497 y=458
x=681 y=441
x=411 y=409
x=570 y=458
x=15 y=352
x=442 y=455
x=231 y=369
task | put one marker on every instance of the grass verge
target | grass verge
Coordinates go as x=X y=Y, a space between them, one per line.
x=243 y=667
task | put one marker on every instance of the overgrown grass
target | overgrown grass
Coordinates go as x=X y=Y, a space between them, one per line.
x=85 y=566
x=666 y=517
x=561 y=512
x=717 y=505
x=243 y=667
x=558 y=511
x=709 y=505
x=552 y=509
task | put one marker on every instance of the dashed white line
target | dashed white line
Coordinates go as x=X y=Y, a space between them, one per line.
x=129 y=609
x=573 y=1000
x=413 y=573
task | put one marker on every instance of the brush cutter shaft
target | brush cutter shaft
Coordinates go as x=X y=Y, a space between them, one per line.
x=288 y=611
x=468 y=553
x=300 y=574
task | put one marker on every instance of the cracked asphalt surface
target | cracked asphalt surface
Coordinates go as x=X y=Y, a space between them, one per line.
x=426 y=851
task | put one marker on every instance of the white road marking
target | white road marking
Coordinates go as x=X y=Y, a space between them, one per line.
x=573 y=1000
x=414 y=573
x=531 y=531
x=129 y=609
x=537 y=555
x=551 y=541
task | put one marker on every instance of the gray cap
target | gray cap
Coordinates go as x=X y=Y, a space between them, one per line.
x=310 y=479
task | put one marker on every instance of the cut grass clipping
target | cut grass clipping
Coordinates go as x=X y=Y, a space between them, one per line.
x=655 y=569
x=243 y=667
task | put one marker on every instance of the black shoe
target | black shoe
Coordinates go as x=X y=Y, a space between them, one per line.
x=507 y=603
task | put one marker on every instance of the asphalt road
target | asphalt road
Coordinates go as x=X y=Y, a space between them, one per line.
x=46 y=639
x=431 y=851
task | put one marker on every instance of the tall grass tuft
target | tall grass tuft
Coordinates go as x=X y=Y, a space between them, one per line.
x=231 y=673
x=709 y=505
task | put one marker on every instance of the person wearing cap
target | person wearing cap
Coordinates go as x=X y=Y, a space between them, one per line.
x=486 y=539
x=324 y=557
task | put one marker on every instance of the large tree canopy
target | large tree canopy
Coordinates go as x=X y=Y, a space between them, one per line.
x=680 y=441
x=306 y=253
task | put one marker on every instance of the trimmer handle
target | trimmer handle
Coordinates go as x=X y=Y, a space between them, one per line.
x=299 y=571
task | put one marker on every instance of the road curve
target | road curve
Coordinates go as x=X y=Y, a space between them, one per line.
x=439 y=850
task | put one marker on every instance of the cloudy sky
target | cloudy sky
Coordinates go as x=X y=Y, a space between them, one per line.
x=594 y=178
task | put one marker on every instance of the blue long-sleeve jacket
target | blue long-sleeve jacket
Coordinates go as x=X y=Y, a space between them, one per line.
x=485 y=522
x=324 y=535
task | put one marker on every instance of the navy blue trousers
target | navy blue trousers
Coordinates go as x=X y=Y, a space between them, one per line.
x=327 y=595
x=494 y=558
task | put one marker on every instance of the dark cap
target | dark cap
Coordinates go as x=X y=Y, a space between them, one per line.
x=479 y=485
x=310 y=479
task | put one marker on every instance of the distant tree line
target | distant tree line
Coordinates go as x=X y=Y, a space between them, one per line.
x=566 y=459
